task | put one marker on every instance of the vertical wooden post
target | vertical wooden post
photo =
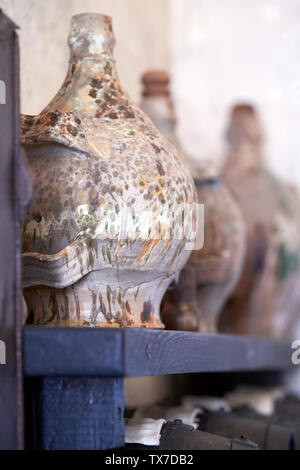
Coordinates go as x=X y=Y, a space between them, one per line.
x=11 y=412
x=75 y=413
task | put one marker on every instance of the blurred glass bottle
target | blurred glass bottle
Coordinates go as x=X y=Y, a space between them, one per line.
x=211 y=273
x=266 y=298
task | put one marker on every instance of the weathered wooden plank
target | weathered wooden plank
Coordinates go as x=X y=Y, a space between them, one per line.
x=93 y=352
x=75 y=413
x=138 y=352
x=153 y=352
x=11 y=413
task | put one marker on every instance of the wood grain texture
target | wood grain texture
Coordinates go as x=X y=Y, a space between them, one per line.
x=51 y=351
x=11 y=412
x=133 y=352
x=75 y=413
x=170 y=352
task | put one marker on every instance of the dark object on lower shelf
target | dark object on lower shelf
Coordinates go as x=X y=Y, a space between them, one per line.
x=178 y=436
x=267 y=435
x=287 y=413
x=131 y=352
x=287 y=410
x=74 y=413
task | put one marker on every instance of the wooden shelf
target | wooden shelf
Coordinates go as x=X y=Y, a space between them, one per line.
x=126 y=352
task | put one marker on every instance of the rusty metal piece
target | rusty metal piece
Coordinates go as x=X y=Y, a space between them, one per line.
x=101 y=240
x=178 y=436
x=267 y=296
x=268 y=436
x=195 y=304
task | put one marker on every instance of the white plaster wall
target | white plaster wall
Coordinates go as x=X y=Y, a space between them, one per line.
x=219 y=52
x=226 y=51
x=141 y=28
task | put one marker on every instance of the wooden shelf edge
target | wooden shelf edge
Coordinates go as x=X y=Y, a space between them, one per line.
x=130 y=352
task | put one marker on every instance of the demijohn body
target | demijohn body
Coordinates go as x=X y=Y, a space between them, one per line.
x=211 y=273
x=100 y=246
x=266 y=298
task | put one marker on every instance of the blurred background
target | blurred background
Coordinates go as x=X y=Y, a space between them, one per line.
x=217 y=52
